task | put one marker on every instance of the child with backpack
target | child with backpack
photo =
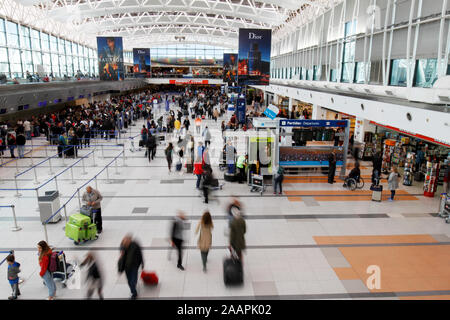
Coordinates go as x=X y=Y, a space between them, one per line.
x=13 y=276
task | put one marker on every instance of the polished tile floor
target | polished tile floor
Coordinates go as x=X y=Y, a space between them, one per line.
x=316 y=241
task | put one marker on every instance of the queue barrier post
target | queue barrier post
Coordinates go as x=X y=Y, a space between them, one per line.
x=37 y=196
x=103 y=152
x=96 y=185
x=50 y=164
x=17 y=187
x=71 y=173
x=84 y=168
x=16 y=227
x=45 y=232
x=124 y=164
x=93 y=157
x=117 y=172
x=107 y=174
x=17 y=165
x=56 y=184
x=35 y=176
x=63 y=158
x=65 y=212
x=79 y=198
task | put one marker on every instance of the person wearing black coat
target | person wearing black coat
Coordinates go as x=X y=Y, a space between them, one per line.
x=151 y=146
x=377 y=163
x=331 y=167
x=130 y=260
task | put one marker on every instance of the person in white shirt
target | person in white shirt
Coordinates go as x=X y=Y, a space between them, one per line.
x=27 y=128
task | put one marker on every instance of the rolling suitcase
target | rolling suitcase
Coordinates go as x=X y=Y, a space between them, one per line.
x=418 y=176
x=233 y=273
x=189 y=168
x=149 y=278
x=377 y=192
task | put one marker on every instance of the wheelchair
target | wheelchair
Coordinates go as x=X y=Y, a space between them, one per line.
x=353 y=184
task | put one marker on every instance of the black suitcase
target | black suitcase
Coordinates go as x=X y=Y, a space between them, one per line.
x=189 y=168
x=233 y=273
x=141 y=143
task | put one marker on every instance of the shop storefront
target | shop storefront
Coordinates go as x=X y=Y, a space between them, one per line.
x=419 y=158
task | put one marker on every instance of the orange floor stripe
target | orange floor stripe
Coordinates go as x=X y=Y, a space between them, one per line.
x=386 y=239
x=403 y=269
x=338 y=192
x=426 y=298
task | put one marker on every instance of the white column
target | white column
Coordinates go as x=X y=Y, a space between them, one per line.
x=291 y=102
x=317 y=113
x=275 y=99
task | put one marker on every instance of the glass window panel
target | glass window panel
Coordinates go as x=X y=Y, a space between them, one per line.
x=347 y=71
x=12 y=34
x=399 y=72
x=53 y=44
x=4 y=68
x=3 y=55
x=333 y=76
x=2 y=32
x=55 y=63
x=68 y=47
x=426 y=73
x=61 y=45
x=14 y=56
x=25 y=37
x=359 y=73
x=45 y=41
x=37 y=57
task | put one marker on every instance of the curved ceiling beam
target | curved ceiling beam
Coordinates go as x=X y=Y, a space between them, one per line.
x=108 y=23
x=269 y=17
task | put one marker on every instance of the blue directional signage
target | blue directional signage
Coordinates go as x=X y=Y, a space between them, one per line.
x=241 y=107
x=314 y=123
x=272 y=111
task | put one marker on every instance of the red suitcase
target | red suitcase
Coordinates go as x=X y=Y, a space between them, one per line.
x=149 y=278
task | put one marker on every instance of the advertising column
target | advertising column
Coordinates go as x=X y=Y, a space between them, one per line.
x=254 y=56
x=110 y=58
x=230 y=68
x=141 y=62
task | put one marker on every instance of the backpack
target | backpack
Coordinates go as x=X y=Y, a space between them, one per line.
x=53 y=263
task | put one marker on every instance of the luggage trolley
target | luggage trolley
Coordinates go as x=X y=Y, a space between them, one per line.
x=257 y=184
x=64 y=271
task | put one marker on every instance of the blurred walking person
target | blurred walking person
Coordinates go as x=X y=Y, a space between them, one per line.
x=177 y=236
x=130 y=260
x=94 y=277
x=205 y=227
x=169 y=155
x=238 y=229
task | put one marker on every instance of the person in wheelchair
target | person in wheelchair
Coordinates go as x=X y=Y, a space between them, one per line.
x=355 y=174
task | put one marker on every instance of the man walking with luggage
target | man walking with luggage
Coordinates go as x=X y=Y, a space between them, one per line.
x=130 y=260
x=237 y=231
x=92 y=198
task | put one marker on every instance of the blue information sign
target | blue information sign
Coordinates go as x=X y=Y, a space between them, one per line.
x=241 y=107
x=314 y=123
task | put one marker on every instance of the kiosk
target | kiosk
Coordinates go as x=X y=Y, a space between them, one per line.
x=308 y=143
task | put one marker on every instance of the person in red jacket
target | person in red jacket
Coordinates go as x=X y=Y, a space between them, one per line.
x=44 y=260
x=198 y=170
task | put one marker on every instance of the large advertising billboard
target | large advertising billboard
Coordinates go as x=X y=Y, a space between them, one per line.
x=254 y=56
x=110 y=58
x=141 y=61
x=230 y=68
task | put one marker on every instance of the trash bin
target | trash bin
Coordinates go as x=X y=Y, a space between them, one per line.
x=48 y=205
